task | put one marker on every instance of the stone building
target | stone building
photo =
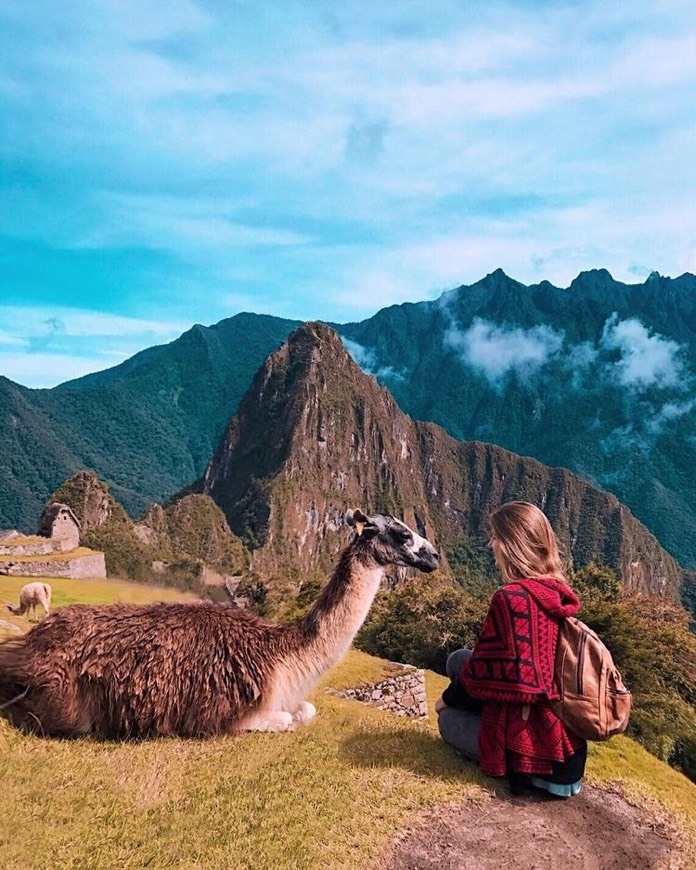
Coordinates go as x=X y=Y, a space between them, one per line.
x=60 y=523
x=54 y=552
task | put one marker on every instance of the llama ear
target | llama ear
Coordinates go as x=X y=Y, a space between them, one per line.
x=357 y=520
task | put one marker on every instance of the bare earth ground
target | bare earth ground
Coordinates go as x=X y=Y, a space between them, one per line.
x=597 y=830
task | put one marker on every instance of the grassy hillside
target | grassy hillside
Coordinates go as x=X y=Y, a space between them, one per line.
x=331 y=795
x=67 y=591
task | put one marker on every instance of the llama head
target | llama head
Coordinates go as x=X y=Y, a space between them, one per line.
x=389 y=541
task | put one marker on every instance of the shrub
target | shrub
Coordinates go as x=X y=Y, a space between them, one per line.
x=420 y=625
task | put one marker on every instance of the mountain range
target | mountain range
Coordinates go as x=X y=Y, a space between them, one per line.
x=597 y=377
x=314 y=435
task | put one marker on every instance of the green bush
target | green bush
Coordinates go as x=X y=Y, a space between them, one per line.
x=421 y=625
x=651 y=645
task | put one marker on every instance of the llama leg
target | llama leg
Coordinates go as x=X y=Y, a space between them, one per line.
x=273 y=720
x=304 y=713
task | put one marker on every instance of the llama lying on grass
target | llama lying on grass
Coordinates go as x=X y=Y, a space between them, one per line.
x=30 y=596
x=196 y=670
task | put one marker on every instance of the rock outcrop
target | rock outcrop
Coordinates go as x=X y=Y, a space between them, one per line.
x=174 y=543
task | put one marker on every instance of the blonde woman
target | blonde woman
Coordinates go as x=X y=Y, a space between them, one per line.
x=497 y=709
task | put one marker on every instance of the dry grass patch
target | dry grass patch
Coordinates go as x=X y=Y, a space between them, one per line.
x=23 y=541
x=48 y=557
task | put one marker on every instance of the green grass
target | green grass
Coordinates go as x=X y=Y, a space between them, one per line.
x=327 y=796
x=67 y=591
x=97 y=591
x=643 y=778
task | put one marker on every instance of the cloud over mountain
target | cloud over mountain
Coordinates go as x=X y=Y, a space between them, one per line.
x=495 y=351
x=647 y=360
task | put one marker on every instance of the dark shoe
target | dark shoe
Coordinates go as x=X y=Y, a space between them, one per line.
x=519 y=783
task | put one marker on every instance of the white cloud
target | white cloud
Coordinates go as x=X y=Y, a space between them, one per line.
x=646 y=360
x=42 y=346
x=669 y=412
x=22 y=321
x=366 y=358
x=496 y=351
x=41 y=370
x=389 y=152
x=8 y=340
x=579 y=360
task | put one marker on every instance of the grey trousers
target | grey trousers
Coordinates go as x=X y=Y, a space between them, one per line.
x=459 y=728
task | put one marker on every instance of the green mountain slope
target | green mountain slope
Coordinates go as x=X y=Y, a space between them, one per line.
x=314 y=435
x=598 y=377
x=147 y=426
x=542 y=371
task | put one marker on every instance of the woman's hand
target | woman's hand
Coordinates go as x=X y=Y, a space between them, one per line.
x=440 y=705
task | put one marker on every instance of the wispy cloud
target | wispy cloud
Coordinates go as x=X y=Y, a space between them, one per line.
x=42 y=346
x=366 y=358
x=175 y=156
x=647 y=360
x=668 y=413
x=496 y=351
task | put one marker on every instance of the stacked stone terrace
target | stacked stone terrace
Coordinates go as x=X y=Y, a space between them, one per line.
x=402 y=692
x=54 y=552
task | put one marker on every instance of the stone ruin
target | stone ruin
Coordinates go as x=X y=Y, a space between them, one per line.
x=401 y=692
x=53 y=552
x=60 y=524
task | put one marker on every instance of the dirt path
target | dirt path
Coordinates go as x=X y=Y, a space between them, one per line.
x=598 y=830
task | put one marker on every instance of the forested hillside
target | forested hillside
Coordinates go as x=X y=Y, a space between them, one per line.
x=598 y=377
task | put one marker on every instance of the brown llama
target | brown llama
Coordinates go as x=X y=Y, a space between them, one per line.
x=195 y=670
x=30 y=596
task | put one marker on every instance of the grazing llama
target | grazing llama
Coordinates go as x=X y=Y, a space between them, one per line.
x=195 y=670
x=30 y=596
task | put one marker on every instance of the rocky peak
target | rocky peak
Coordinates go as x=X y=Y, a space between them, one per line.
x=591 y=279
x=314 y=435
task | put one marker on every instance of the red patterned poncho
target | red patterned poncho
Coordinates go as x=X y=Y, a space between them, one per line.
x=511 y=670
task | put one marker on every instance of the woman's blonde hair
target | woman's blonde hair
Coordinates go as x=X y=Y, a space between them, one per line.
x=525 y=543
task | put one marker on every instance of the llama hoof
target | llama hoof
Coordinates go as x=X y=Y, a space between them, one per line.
x=277 y=720
x=304 y=713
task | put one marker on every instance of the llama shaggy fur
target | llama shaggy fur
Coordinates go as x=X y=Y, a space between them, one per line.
x=194 y=670
x=30 y=596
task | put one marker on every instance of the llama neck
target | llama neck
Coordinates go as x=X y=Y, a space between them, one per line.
x=328 y=629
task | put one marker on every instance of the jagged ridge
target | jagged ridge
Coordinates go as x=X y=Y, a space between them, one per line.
x=315 y=435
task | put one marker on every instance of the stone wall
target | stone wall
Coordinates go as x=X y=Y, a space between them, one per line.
x=80 y=567
x=65 y=531
x=402 y=692
x=33 y=547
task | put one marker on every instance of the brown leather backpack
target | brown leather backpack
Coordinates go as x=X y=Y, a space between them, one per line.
x=594 y=702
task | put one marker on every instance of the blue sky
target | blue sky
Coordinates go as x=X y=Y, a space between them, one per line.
x=166 y=162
